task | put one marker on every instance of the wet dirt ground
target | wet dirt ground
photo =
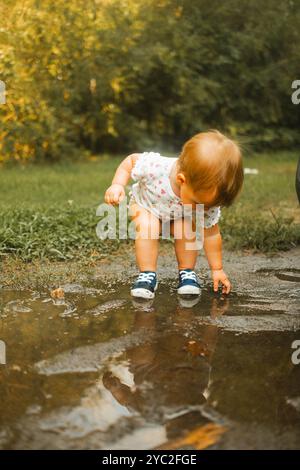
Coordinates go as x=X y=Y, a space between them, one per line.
x=96 y=369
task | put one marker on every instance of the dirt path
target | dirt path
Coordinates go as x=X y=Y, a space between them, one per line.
x=248 y=272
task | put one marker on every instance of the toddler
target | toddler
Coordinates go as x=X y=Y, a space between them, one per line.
x=208 y=171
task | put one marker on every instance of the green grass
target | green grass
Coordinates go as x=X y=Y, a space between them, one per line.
x=267 y=215
x=49 y=211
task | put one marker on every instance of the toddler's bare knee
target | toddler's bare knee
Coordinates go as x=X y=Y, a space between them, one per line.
x=147 y=225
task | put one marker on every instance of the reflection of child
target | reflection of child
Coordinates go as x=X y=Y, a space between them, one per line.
x=208 y=171
x=170 y=372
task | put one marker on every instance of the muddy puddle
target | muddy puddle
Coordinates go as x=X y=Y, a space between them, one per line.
x=98 y=370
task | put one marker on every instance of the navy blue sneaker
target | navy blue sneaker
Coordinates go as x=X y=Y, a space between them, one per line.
x=145 y=285
x=188 y=282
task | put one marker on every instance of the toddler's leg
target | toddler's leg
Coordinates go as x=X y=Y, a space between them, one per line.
x=147 y=237
x=183 y=239
x=186 y=254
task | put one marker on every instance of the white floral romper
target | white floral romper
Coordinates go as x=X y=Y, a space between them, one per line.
x=153 y=189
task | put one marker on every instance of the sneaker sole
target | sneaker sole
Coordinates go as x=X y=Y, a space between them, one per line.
x=143 y=293
x=186 y=290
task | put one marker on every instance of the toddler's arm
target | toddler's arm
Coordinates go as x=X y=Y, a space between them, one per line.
x=213 y=250
x=116 y=192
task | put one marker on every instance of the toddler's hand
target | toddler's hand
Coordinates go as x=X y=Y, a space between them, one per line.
x=114 y=194
x=218 y=275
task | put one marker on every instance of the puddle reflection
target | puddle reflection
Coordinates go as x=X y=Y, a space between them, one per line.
x=117 y=373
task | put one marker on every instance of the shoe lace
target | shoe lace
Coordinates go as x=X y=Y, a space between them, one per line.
x=188 y=275
x=146 y=277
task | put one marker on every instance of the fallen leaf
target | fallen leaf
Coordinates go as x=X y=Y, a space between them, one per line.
x=199 y=438
x=57 y=293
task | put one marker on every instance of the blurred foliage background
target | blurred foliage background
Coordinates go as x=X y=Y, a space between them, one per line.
x=89 y=76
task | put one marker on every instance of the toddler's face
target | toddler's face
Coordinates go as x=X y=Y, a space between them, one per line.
x=188 y=196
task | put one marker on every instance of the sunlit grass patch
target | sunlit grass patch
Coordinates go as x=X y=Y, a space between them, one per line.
x=49 y=212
